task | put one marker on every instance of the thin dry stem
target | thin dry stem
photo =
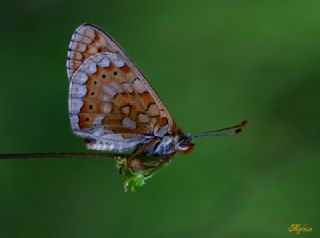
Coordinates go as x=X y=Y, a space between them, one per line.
x=58 y=155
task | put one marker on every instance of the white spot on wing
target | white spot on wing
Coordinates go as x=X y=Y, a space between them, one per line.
x=75 y=105
x=98 y=119
x=89 y=67
x=77 y=46
x=78 y=91
x=116 y=87
x=106 y=108
x=119 y=63
x=143 y=118
x=86 y=31
x=80 y=78
x=153 y=110
x=103 y=61
x=126 y=110
x=74 y=118
x=162 y=113
x=106 y=98
x=129 y=123
x=127 y=87
x=75 y=122
x=138 y=86
x=116 y=60
x=109 y=91
x=81 y=39
x=74 y=55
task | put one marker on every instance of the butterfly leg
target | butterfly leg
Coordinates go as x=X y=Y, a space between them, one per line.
x=161 y=160
x=134 y=163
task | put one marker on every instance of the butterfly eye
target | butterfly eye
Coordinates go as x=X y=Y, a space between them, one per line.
x=185 y=140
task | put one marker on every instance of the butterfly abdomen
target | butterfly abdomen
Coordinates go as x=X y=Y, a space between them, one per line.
x=113 y=143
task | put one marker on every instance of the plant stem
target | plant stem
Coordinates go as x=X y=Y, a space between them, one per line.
x=57 y=155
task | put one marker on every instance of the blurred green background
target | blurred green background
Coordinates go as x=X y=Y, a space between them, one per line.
x=214 y=63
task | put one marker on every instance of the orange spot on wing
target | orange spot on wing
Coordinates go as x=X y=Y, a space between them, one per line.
x=134 y=112
x=146 y=100
x=127 y=99
x=125 y=68
x=112 y=67
x=90 y=106
x=113 y=120
x=85 y=55
x=162 y=121
x=122 y=99
x=97 y=36
x=93 y=93
x=92 y=81
x=91 y=50
x=86 y=120
x=124 y=130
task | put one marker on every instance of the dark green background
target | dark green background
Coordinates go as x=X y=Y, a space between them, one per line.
x=214 y=63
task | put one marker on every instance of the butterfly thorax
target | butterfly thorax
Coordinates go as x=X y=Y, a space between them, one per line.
x=170 y=145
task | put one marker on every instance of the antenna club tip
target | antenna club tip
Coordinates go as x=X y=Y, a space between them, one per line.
x=244 y=123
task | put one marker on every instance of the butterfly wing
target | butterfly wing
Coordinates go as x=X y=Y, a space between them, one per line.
x=111 y=104
x=88 y=40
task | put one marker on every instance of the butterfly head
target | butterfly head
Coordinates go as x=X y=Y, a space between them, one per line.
x=183 y=143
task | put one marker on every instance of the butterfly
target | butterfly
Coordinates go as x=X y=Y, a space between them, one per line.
x=114 y=107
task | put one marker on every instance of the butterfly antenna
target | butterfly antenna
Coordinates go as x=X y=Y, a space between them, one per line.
x=228 y=131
